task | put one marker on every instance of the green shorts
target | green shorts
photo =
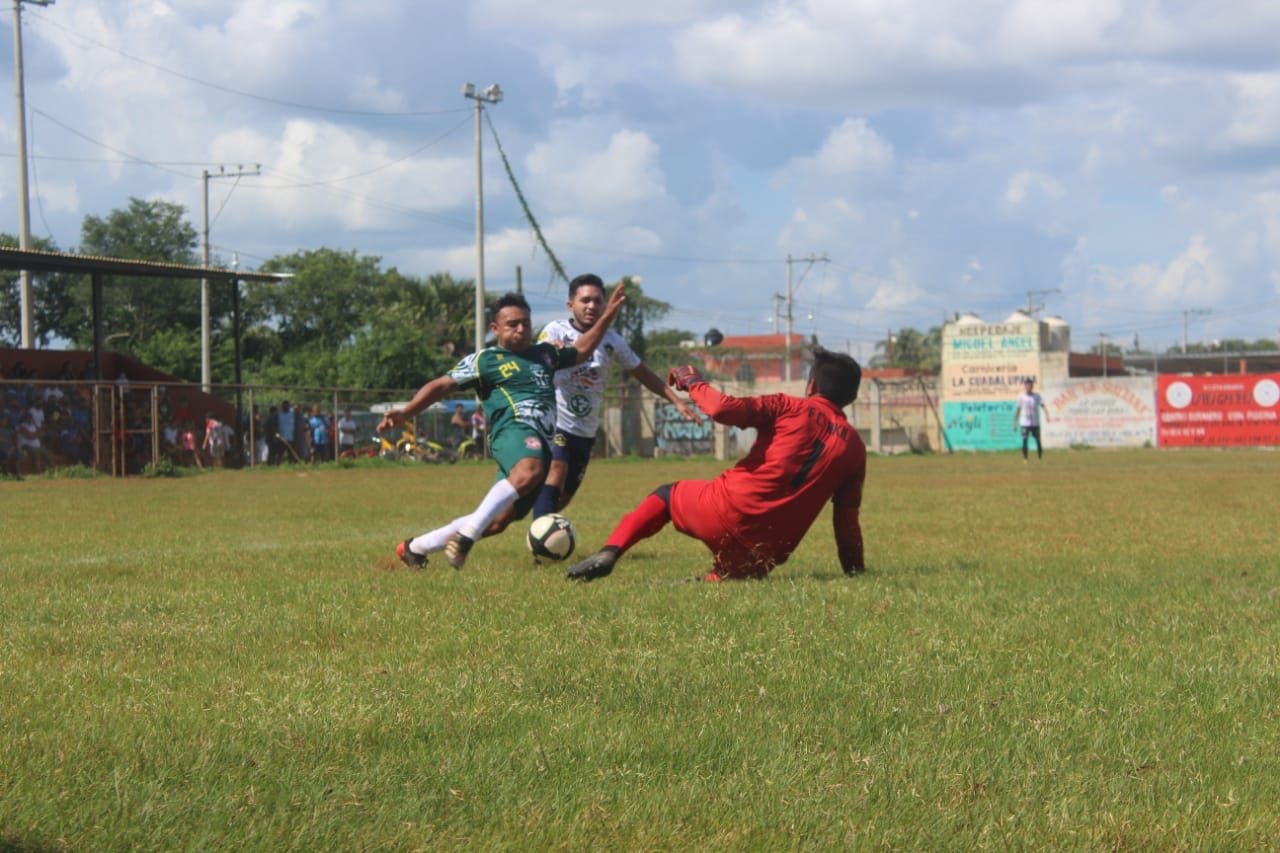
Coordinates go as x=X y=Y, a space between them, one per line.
x=514 y=443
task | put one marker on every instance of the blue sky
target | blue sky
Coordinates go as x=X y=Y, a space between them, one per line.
x=1118 y=158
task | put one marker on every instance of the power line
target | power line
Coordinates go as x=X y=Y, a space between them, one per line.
x=141 y=160
x=238 y=92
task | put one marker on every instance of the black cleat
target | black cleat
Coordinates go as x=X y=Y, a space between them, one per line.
x=410 y=558
x=598 y=565
x=457 y=548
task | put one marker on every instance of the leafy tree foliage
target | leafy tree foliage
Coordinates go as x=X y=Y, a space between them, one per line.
x=50 y=299
x=912 y=349
x=136 y=309
x=638 y=310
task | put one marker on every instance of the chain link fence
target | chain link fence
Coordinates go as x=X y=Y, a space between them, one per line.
x=125 y=428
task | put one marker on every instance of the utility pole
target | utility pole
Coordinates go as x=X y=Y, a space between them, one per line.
x=1103 y=337
x=491 y=95
x=206 y=359
x=1190 y=312
x=24 y=202
x=810 y=260
x=1032 y=308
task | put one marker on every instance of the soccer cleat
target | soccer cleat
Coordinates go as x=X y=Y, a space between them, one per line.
x=408 y=557
x=457 y=548
x=598 y=565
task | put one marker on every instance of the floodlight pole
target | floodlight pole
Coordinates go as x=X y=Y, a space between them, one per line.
x=24 y=202
x=491 y=95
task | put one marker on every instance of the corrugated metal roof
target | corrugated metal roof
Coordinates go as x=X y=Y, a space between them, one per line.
x=39 y=261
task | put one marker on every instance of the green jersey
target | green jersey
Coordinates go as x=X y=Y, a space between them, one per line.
x=516 y=388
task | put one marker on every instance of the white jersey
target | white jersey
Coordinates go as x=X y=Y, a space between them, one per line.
x=580 y=390
x=1029 y=409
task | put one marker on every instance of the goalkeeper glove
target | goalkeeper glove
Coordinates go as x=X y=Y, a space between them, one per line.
x=684 y=377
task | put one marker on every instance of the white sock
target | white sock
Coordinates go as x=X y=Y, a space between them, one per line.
x=434 y=540
x=501 y=495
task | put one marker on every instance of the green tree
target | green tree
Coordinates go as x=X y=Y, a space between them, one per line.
x=51 y=299
x=665 y=349
x=418 y=331
x=912 y=349
x=636 y=312
x=145 y=231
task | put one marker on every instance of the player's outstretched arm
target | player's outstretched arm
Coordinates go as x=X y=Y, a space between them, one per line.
x=848 y=530
x=590 y=339
x=650 y=380
x=435 y=390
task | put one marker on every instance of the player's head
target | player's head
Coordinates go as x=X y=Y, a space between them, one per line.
x=835 y=376
x=1028 y=383
x=512 y=324
x=586 y=300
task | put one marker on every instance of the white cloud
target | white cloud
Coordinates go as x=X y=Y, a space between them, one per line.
x=1023 y=184
x=570 y=173
x=1257 y=118
x=851 y=150
x=897 y=291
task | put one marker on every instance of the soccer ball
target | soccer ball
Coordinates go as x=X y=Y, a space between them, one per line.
x=551 y=537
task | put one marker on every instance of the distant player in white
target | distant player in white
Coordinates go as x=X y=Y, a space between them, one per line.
x=1028 y=417
x=580 y=392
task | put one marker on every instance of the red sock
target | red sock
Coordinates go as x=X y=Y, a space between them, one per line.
x=642 y=522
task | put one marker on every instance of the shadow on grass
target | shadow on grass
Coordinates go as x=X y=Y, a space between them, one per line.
x=13 y=844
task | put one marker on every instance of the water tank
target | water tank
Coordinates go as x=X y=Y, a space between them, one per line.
x=1020 y=316
x=1059 y=334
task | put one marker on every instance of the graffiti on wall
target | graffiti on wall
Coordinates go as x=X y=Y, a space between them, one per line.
x=676 y=436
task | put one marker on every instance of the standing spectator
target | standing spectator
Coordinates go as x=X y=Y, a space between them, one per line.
x=215 y=441
x=190 y=447
x=1028 y=416
x=170 y=443
x=752 y=517
x=29 y=446
x=461 y=425
x=258 y=427
x=286 y=423
x=346 y=434
x=8 y=448
x=321 y=450
x=479 y=428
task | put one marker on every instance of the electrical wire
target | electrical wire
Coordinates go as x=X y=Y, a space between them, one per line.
x=239 y=92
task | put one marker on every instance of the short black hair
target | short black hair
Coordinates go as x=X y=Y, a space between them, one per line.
x=836 y=376
x=508 y=300
x=584 y=280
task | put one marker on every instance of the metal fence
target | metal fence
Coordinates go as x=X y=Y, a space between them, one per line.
x=125 y=428
x=122 y=427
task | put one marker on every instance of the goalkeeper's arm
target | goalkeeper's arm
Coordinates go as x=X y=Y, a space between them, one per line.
x=848 y=532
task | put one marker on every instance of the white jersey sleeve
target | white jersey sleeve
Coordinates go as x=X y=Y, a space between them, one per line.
x=580 y=390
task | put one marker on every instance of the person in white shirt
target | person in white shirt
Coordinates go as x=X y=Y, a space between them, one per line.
x=1027 y=417
x=580 y=392
x=346 y=434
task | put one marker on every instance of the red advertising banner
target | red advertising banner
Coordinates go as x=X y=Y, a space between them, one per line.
x=1218 y=411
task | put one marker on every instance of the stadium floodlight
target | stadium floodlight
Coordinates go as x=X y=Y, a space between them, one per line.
x=491 y=95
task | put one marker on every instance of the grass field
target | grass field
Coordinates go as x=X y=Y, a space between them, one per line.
x=1082 y=653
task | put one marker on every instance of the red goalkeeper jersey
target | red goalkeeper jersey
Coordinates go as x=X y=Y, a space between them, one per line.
x=806 y=454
